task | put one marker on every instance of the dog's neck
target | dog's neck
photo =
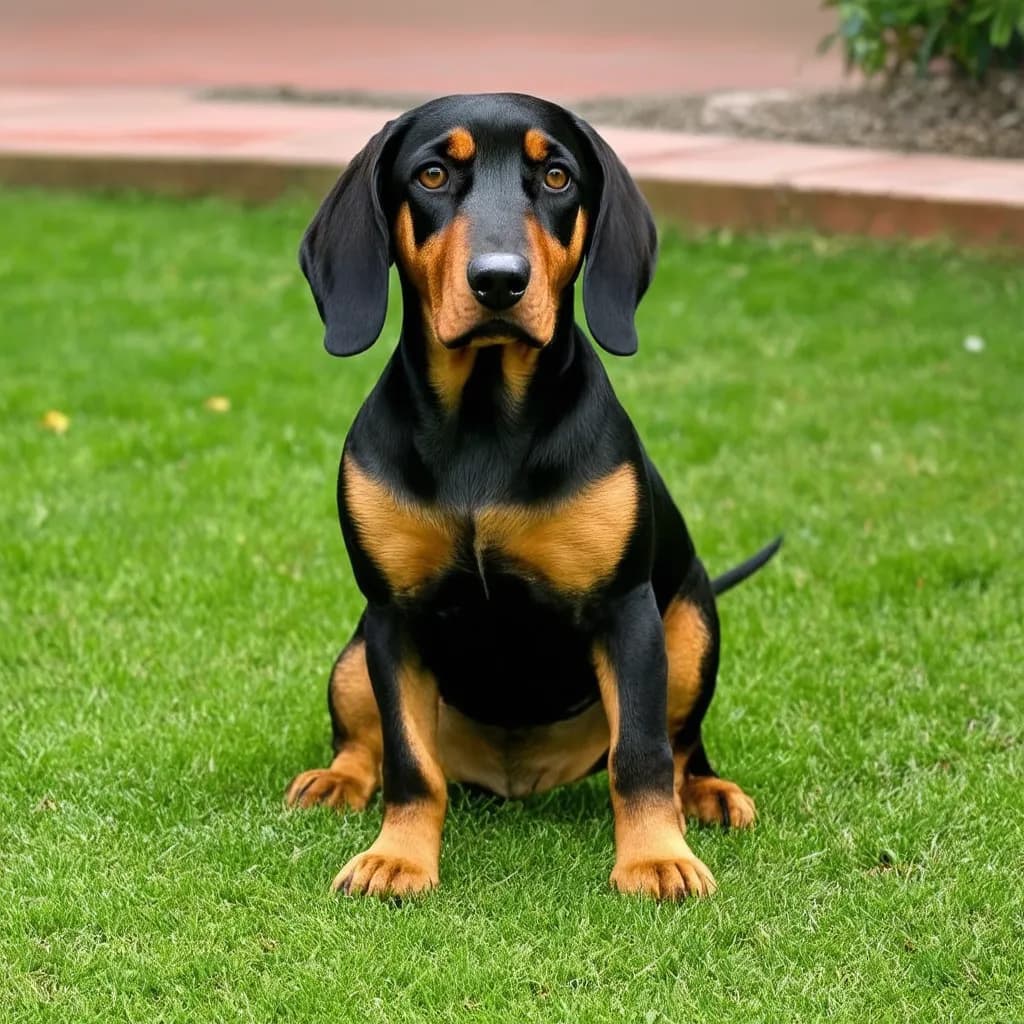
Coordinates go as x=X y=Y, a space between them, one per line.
x=497 y=437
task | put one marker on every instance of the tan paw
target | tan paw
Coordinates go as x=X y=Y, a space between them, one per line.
x=333 y=789
x=671 y=879
x=386 y=875
x=717 y=802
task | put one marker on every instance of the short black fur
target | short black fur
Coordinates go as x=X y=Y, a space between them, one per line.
x=508 y=646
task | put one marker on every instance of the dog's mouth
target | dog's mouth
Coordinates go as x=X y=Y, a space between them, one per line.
x=494 y=332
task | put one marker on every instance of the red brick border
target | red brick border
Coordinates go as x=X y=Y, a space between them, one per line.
x=775 y=207
x=685 y=203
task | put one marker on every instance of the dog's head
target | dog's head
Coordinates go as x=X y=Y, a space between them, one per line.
x=489 y=205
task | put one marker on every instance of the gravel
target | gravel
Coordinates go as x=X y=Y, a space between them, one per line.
x=937 y=115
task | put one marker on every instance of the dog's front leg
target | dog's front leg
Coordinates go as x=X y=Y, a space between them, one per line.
x=652 y=856
x=404 y=858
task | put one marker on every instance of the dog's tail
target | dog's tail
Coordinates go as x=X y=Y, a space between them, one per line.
x=729 y=579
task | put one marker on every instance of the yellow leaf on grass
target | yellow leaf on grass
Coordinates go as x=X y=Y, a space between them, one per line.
x=218 y=403
x=56 y=421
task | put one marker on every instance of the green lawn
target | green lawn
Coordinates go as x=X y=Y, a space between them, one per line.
x=174 y=587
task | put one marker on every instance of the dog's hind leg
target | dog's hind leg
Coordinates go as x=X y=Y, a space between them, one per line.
x=691 y=641
x=710 y=799
x=355 y=773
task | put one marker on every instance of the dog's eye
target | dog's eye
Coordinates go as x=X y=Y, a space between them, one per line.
x=557 y=179
x=433 y=177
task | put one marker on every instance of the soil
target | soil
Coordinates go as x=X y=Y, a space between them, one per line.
x=941 y=114
x=937 y=115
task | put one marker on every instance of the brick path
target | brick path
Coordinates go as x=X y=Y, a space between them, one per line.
x=571 y=49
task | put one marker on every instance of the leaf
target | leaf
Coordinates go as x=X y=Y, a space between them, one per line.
x=1001 y=29
x=56 y=421
x=884 y=35
x=927 y=48
x=852 y=26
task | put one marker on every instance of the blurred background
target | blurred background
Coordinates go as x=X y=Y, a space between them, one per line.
x=566 y=50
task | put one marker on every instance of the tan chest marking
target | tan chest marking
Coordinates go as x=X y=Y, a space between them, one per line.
x=410 y=544
x=576 y=543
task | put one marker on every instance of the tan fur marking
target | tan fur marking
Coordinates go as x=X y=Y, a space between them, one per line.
x=354 y=774
x=608 y=685
x=449 y=372
x=461 y=145
x=410 y=544
x=419 y=706
x=517 y=763
x=652 y=857
x=686 y=644
x=535 y=145
x=352 y=698
x=703 y=796
x=404 y=859
x=518 y=362
x=552 y=267
x=438 y=270
x=407 y=253
x=576 y=543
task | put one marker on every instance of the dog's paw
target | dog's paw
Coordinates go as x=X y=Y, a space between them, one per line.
x=717 y=802
x=384 y=875
x=331 y=788
x=672 y=878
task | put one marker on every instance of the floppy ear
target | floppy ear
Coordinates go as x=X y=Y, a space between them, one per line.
x=345 y=253
x=622 y=253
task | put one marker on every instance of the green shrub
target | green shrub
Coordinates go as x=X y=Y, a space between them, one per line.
x=888 y=35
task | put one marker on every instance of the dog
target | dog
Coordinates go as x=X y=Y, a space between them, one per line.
x=535 y=608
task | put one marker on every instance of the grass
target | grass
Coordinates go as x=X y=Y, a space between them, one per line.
x=174 y=587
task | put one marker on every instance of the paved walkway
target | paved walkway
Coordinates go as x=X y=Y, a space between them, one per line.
x=566 y=50
x=172 y=140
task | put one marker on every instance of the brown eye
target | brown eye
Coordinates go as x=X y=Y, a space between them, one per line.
x=556 y=179
x=433 y=177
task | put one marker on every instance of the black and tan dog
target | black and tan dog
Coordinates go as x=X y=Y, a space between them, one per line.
x=535 y=608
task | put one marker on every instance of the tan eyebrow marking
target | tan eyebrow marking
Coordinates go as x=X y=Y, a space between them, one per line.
x=461 y=146
x=535 y=145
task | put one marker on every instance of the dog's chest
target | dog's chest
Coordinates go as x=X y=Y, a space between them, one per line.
x=572 y=544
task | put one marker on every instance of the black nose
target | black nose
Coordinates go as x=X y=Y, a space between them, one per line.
x=498 y=279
